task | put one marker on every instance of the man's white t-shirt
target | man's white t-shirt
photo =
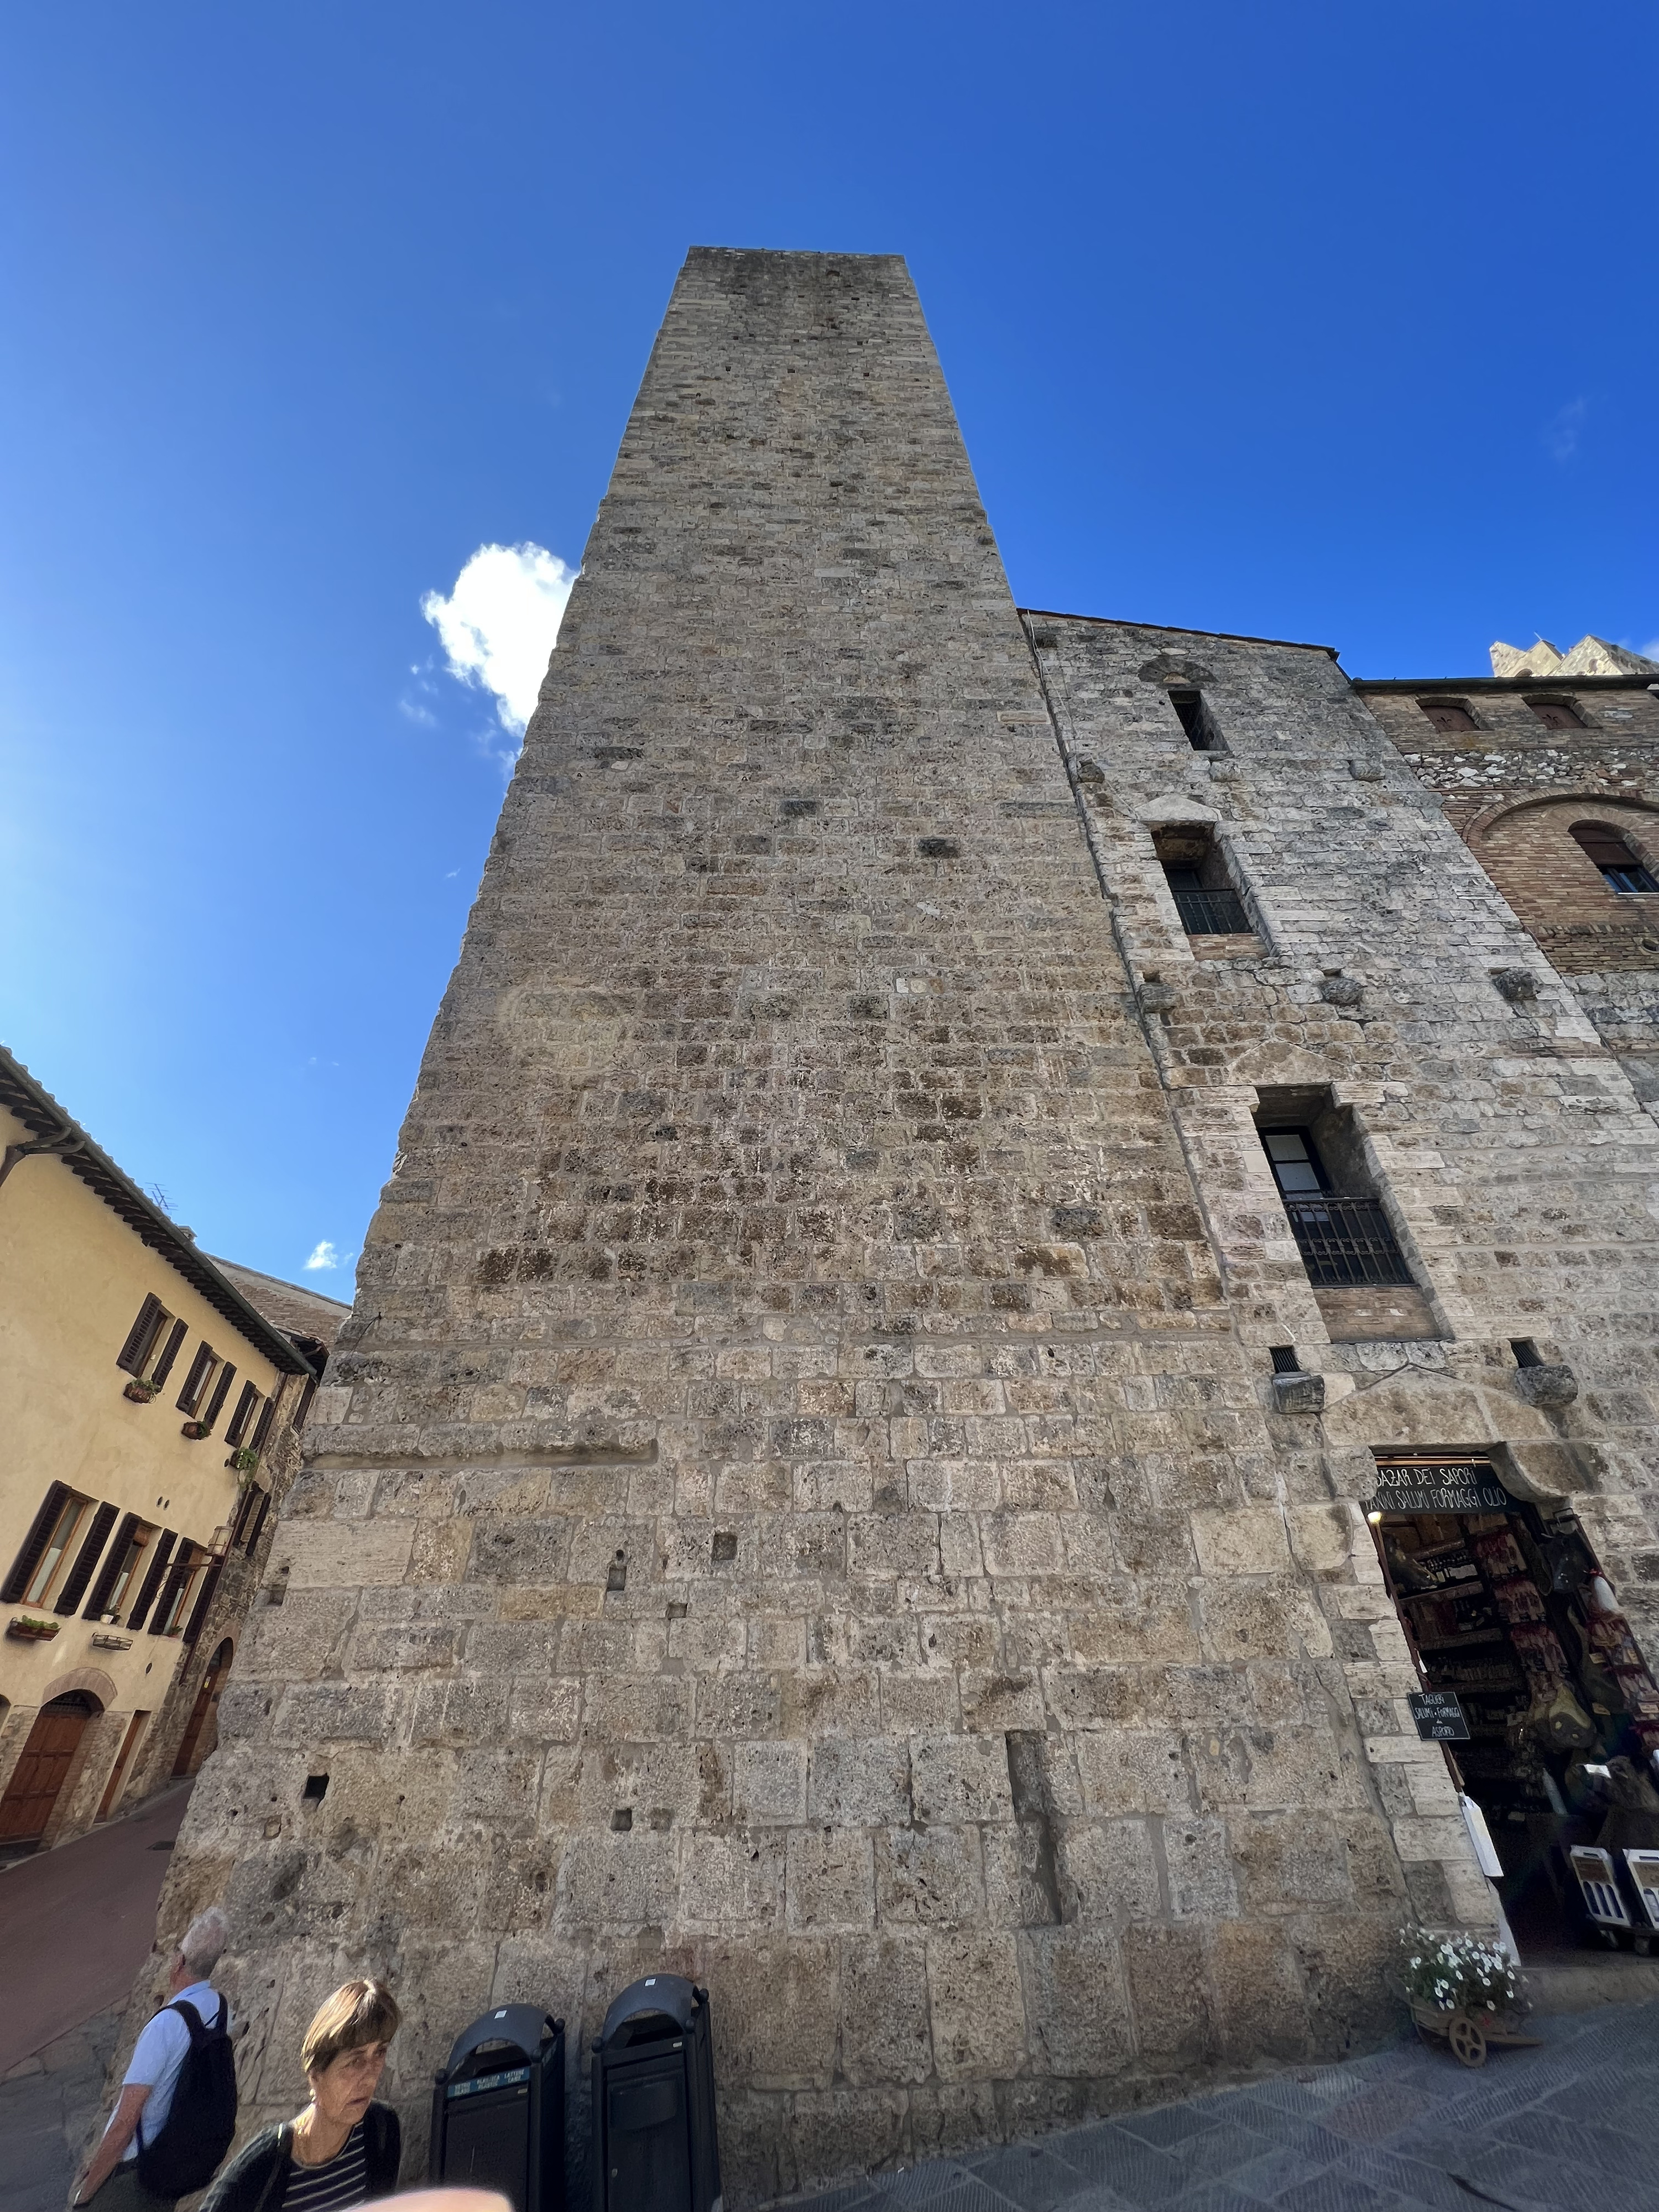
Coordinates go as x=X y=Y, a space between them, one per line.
x=158 y=2055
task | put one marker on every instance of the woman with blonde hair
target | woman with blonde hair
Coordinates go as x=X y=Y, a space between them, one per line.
x=343 y=2148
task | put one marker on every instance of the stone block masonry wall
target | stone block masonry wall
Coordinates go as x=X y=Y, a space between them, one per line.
x=1513 y=790
x=791 y=1506
x=1512 y=1155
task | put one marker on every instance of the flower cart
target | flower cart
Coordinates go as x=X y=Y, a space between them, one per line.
x=1463 y=1993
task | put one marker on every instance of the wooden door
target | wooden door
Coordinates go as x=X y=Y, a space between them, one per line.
x=38 y=1776
x=207 y=1700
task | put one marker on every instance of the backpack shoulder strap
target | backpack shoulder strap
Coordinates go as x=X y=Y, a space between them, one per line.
x=191 y=2017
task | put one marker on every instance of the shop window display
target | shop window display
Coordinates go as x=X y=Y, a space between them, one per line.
x=1510 y=1612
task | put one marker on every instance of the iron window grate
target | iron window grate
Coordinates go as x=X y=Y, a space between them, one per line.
x=1212 y=914
x=1346 y=1241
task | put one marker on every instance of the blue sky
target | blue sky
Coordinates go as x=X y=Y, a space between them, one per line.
x=1332 y=323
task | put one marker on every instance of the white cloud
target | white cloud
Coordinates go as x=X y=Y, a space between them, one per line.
x=1561 y=437
x=323 y=1256
x=1651 y=650
x=500 y=623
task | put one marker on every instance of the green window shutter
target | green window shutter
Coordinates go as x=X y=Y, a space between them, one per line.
x=152 y=1583
x=22 y=1567
x=81 y=1573
x=140 y=1337
x=99 y=1602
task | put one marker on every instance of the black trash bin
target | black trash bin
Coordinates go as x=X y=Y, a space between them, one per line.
x=498 y=2109
x=654 y=2146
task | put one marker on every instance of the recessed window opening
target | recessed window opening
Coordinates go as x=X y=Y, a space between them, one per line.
x=1197 y=875
x=316 y=1789
x=1283 y=1359
x=1448 y=714
x=58 y=1539
x=1337 y=1220
x=1195 y=719
x=1525 y=1351
x=1557 y=713
x=1621 y=870
x=197 y=1376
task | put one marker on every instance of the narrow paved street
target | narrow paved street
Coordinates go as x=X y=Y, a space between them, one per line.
x=1569 y=2128
x=75 y=1925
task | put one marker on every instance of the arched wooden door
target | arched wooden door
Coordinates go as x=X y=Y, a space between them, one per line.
x=197 y=1739
x=43 y=1768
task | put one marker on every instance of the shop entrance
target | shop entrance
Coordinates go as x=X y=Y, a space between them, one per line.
x=1548 y=1713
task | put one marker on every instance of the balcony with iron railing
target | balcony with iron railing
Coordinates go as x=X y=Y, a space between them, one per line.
x=1346 y=1242
x=1212 y=914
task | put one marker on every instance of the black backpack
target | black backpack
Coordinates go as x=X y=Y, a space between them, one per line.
x=201 y=2118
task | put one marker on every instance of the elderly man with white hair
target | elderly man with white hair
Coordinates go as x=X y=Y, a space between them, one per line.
x=113 y=2176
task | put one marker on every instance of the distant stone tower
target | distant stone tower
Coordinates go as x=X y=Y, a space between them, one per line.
x=791 y=1505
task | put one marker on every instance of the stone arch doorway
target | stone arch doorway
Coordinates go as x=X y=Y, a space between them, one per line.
x=44 y=1765
x=202 y=1729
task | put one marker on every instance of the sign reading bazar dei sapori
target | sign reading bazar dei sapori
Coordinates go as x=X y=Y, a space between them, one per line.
x=1449 y=1486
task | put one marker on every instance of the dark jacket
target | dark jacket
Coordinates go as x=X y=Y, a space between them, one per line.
x=256 y=2179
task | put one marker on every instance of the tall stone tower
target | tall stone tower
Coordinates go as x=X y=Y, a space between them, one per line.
x=791 y=1505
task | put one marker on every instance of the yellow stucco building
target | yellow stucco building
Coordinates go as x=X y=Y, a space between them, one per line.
x=147 y=1410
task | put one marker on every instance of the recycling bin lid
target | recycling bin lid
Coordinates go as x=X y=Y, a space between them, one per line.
x=667 y=1998
x=525 y=2028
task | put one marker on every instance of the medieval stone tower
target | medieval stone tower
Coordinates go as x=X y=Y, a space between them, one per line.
x=803 y=1499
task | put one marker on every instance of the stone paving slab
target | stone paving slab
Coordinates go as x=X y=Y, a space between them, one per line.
x=49 y=2106
x=1571 y=2127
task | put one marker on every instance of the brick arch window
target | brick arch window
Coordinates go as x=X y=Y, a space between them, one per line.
x=1621 y=870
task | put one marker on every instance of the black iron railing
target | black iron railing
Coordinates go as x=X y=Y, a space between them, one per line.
x=1346 y=1241
x=1212 y=914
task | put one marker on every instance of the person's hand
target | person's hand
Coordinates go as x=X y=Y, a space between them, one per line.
x=451 y=2200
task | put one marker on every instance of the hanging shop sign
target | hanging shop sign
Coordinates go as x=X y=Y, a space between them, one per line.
x=1439 y=1716
x=1449 y=1486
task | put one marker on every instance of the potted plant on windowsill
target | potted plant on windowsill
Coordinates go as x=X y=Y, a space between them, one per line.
x=194 y=1429
x=245 y=1459
x=141 y=1390
x=27 y=1629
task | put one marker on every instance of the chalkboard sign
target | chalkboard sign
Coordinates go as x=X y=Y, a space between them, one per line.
x=1439 y=1716
x=1452 y=1485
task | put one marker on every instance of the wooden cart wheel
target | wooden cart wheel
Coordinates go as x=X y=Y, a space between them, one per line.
x=1468 y=2044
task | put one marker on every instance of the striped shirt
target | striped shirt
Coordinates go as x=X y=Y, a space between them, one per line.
x=342 y=2180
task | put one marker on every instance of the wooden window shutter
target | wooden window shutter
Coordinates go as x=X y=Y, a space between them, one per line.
x=221 y=1392
x=170 y=1352
x=99 y=1602
x=22 y=1567
x=251 y=1542
x=200 y=1368
x=198 y=1612
x=86 y=1559
x=302 y=1403
x=183 y=1568
x=243 y=1415
x=141 y=1336
x=261 y=1427
x=158 y=1567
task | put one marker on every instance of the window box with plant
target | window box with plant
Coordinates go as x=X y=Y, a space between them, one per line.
x=141 y=1390
x=29 y=1629
x=194 y=1429
x=245 y=1461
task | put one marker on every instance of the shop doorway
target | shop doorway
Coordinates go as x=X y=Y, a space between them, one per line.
x=43 y=1769
x=1548 y=1715
x=202 y=1729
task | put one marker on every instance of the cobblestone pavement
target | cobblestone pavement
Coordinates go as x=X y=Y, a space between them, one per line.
x=49 y=2106
x=1573 y=2127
